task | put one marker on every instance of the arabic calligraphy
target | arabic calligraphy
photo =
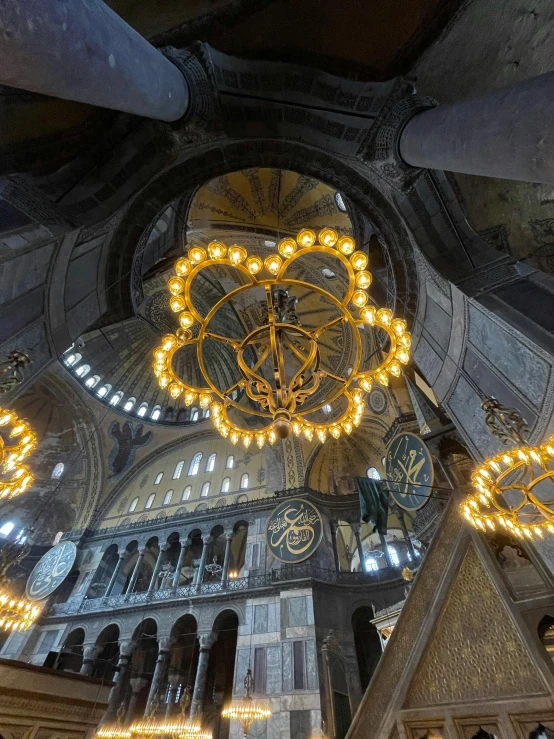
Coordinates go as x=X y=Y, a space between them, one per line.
x=294 y=530
x=409 y=470
x=51 y=570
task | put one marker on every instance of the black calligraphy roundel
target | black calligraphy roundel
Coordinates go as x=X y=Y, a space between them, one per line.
x=294 y=530
x=409 y=470
x=51 y=570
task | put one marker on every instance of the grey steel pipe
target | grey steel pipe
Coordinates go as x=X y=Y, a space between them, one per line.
x=81 y=50
x=507 y=134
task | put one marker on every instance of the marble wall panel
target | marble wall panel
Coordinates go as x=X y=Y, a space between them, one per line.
x=260 y=619
x=241 y=665
x=297 y=611
x=273 y=666
x=311 y=665
x=300 y=724
x=287 y=667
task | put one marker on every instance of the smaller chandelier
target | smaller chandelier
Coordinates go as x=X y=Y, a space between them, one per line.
x=279 y=364
x=247 y=710
x=513 y=489
x=179 y=727
x=17 y=441
x=114 y=729
x=16 y=614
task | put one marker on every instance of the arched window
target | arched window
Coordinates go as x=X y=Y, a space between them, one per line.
x=226 y=485
x=116 y=397
x=57 y=538
x=244 y=481
x=339 y=200
x=371 y=564
x=211 y=463
x=93 y=381
x=206 y=413
x=373 y=473
x=195 y=464
x=133 y=505
x=156 y=412
x=167 y=497
x=393 y=554
x=186 y=493
x=178 y=469
x=205 y=490
x=230 y=462
x=7 y=528
x=83 y=370
x=129 y=404
x=72 y=359
x=158 y=479
x=57 y=472
x=104 y=390
x=150 y=501
x=194 y=414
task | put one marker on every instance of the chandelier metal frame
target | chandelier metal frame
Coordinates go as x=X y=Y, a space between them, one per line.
x=247 y=710
x=279 y=403
x=519 y=469
x=15 y=477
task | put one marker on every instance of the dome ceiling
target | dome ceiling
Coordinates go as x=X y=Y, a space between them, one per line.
x=256 y=208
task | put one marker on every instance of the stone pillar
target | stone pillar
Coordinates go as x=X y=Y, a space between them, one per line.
x=356 y=528
x=507 y=133
x=137 y=684
x=90 y=653
x=136 y=571
x=385 y=546
x=157 y=568
x=123 y=557
x=206 y=642
x=82 y=50
x=334 y=526
x=227 y=558
x=159 y=672
x=116 y=693
x=201 y=567
x=182 y=554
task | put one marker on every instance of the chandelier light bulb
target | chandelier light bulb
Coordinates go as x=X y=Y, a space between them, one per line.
x=287 y=247
x=368 y=314
x=335 y=432
x=403 y=356
x=177 y=303
x=321 y=435
x=398 y=326
x=346 y=245
x=234 y=437
x=197 y=254
x=359 y=260
x=246 y=440
x=175 y=390
x=217 y=250
x=328 y=237
x=176 y=285
x=273 y=264
x=260 y=440
x=363 y=279
x=237 y=254
x=359 y=298
x=405 y=340
x=186 y=319
x=204 y=399
x=168 y=342
x=306 y=238
x=183 y=267
x=384 y=316
x=189 y=398
x=254 y=265
x=395 y=368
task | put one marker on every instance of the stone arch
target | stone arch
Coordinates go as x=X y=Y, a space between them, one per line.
x=106 y=660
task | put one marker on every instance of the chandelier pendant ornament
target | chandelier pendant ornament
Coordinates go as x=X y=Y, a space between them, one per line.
x=513 y=489
x=247 y=710
x=281 y=377
x=16 y=613
x=17 y=441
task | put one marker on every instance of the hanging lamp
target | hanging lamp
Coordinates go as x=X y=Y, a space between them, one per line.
x=514 y=489
x=247 y=710
x=16 y=613
x=279 y=365
x=17 y=441
x=114 y=729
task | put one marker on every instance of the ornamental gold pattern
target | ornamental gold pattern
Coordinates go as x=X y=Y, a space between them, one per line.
x=292 y=351
x=17 y=442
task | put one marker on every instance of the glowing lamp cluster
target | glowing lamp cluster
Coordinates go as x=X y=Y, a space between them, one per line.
x=288 y=368
x=247 y=710
x=17 y=442
x=17 y=614
x=179 y=728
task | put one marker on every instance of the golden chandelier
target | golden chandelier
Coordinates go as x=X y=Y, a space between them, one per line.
x=279 y=362
x=16 y=613
x=246 y=710
x=513 y=489
x=17 y=441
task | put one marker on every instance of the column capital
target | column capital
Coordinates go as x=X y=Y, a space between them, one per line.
x=90 y=652
x=142 y=550
x=126 y=648
x=124 y=555
x=164 y=547
x=164 y=644
x=206 y=539
x=229 y=535
x=207 y=640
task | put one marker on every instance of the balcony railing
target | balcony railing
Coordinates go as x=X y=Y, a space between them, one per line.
x=271 y=579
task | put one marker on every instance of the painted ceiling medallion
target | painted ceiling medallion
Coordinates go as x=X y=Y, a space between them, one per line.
x=284 y=372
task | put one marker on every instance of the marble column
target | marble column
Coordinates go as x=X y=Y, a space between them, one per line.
x=82 y=50
x=356 y=528
x=136 y=571
x=116 y=693
x=157 y=567
x=137 y=684
x=123 y=557
x=182 y=554
x=90 y=653
x=227 y=558
x=334 y=526
x=206 y=642
x=201 y=567
x=159 y=672
x=385 y=546
x=506 y=133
